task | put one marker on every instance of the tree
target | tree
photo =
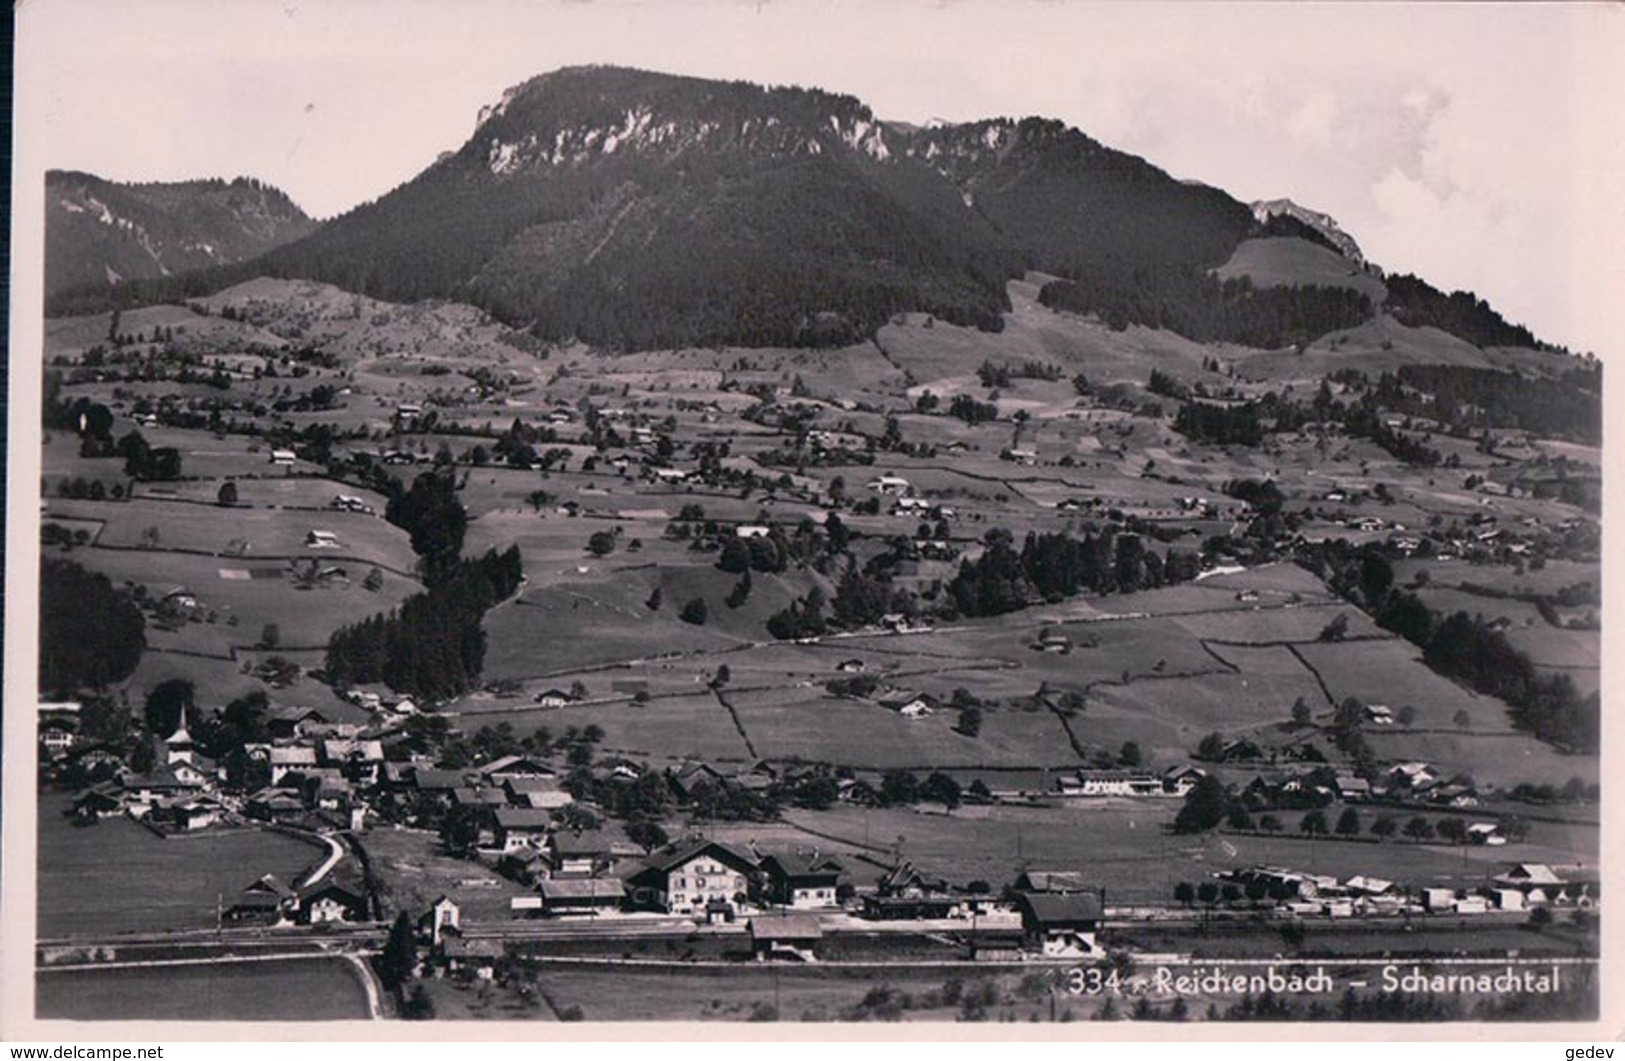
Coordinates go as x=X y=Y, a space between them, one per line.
x=723 y=676
x=374 y=580
x=460 y=831
x=602 y=543
x=1184 y=893
x=1129 y=756
x=227 y=495
x=1348 y=823
x=1301 y=715
x=940 y=788
x=1384 y=827
x=167 y=704
x=653 y=603
x=695 y=612
x=1337 y=629
x=420 y=1006
x=90 y=634
x=970 y=721
x=1204 y=807
x=270 y=636
x=646 y=833
x=1407 y=715
x=1462 y=719
x=1419 y=829
x=1453 y=829
x=399 y=956
x=1211 y=747
x=740 y=592
x=1270 y=823
x=1314 y=823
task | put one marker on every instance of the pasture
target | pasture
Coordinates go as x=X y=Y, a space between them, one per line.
x=294 y=989
x=161 y=884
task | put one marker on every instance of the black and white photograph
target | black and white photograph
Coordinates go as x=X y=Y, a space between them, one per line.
x=808 y=515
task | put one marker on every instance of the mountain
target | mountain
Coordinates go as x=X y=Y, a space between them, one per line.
x=633 y=209
x=99 y=231
x=636 y=210
x=1265 y=210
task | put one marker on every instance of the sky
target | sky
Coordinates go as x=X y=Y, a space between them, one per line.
x=1476 y=145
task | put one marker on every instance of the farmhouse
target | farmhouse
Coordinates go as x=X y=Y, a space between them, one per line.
x=331 y=902
x=753 y=530
x=785 y=936
x=321 y=539
x=908 y=704
x=589 y=895
x=520 y=827
x=802 y=880
x=694 y=877
x=499 y=771
x=1379 y=714
x=283 y=456
x=578 y=853
x=892 y=485
x=1054 y=639
x=554 y=698
x=291 y=759
x=268 y=901
x=1060 y=924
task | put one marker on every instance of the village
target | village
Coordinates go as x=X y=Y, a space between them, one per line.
x=706 y=656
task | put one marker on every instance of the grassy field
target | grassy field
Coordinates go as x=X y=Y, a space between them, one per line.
x=320 y=989
x=159 y=883
x=1297 y=262
x=412 y=875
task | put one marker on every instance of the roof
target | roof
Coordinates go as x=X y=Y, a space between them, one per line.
x=803 y=864
x=787 y=927
x=294 y=755
x=1041 y=880
x=678 y=854
x=1058 y=908
x=588 y=842
x=582 y=888
x=516 y=763
x=522 y=818
x=438 y=779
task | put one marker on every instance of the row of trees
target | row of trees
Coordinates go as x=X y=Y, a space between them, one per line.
x=433 y=646
x=1053 y=566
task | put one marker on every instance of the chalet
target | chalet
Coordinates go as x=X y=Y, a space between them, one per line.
x=695 y=876
x=321 y=539
x=148 y=789
x=283 y=457
x=1353 y=789
x=802 y=880
x=189 y=815
x=851 y=666
x=1060 y=881
x=438 y=782
x=285 y=722
x=782 y=936
x=1179 y=780
x=1379 y=714
x=908 y=704
x=1488 y=833
x=905 y=893
x=538 y=793
x=521 y=827
x=500 y=771
x=290 y=759
x=577 y=853
x=893 y=485
x=554 y=698
x=331 y=902
x=268 y=901
x=563 y=896
x=1054 y=639
x=1540 y=883
x=56 y=736
x=349 y=503
x=1060 y=924
x=670 y=475
x=1020 y=456
x=479 y=797
x=101 y=801
x=753 y=530
x=358 y=760
x=270 y=805
x=911 y=504
x=690 y=776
